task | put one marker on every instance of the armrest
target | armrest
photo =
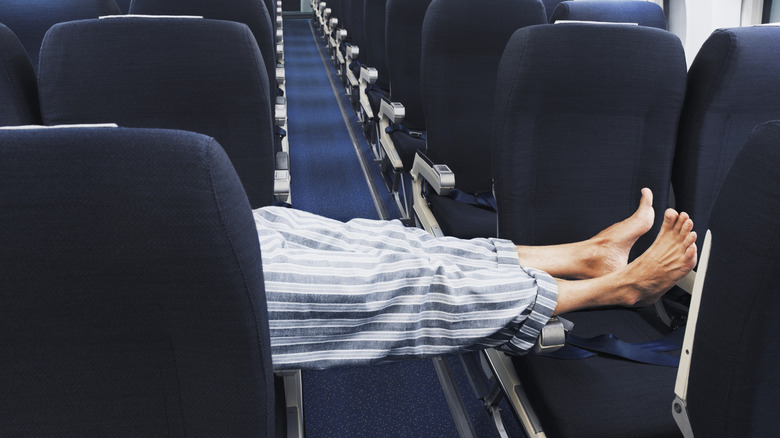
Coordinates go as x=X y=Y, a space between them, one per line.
x=293 y=398
x=440 y=178
x=281 y=75
x=351 y=54
x=368 y=75
x=282 y=177
x=390 y=113
x=680 y=403
x=280 y=111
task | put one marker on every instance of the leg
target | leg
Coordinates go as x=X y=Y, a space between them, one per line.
x=643 y=281
x=599 y=255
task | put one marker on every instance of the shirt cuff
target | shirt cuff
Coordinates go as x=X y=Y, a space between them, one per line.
x=528 y=325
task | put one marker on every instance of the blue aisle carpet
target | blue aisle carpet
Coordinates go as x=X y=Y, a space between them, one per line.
x=400 y=399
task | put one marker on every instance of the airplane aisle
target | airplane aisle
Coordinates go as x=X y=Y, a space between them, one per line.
x=400 y=399
x=327 y=174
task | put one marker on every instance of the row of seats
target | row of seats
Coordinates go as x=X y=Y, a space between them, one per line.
x=197 y=96
x=582 y=118
x=388 y=66
x=180 y=345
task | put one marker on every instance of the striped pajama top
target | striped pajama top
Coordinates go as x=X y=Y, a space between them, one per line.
x=367 y=291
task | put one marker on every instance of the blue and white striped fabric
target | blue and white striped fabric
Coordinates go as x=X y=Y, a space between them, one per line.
x=366 y=291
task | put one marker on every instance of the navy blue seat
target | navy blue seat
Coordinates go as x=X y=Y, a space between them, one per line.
x=549 y=7
x=458 y=79
x=400 y=130
x=18 y=83
x=30 y=20
x=642 y=12
x=253 y=13
x=403 y=47
x=133 y=295
x=124 y=5
x=352 y=19
x=734 y=385
x=373 y=76
x=571 y=155
x=197 y=75
x=732 y=87
x=375 y=19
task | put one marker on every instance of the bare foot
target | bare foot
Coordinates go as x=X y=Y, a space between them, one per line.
x=612 y=245
x=642 y=282
x=671 y=256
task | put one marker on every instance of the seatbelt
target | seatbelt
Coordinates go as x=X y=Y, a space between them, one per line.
x=650 y=352
x=397 y=127
x=484 y=199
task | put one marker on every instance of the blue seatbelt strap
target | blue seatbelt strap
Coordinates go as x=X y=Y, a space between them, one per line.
x=397 y=127
x=650 y=352
x=280 y=132
x=483 y=199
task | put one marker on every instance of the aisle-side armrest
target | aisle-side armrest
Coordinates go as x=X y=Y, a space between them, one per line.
x=439 y=178
x=390 y=113
x=282 y=176
x=280 y=111
x=368 y=75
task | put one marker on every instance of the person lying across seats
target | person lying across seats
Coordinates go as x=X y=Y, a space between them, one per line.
x=368 y=291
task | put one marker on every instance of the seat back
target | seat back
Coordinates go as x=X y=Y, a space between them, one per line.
x=355 y=25
x=733 y=385
x=572 y=151
x=462 y=44
x=133 y=296
x=124 y=5
x=18 y=83
x=374 y=13
x=253 y=13
x=30 y=20
x=732 y=87
x=642 y=12
x=403 y=47
x=196 y=75
x=549 y=7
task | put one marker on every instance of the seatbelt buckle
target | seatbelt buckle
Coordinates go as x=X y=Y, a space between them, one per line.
x=553 y=335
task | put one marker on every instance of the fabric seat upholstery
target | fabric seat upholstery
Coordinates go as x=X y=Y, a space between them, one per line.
x=734 y=386
x=133 y=295
x=253 y=13
x=571 y=155
x=18 y=84
x=458 y=79
x=197 y=75
x=30 y=20
x=731 y=89
x=403 y=46
x=642 y=12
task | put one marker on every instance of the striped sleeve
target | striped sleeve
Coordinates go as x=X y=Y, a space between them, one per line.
x=367 y=291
